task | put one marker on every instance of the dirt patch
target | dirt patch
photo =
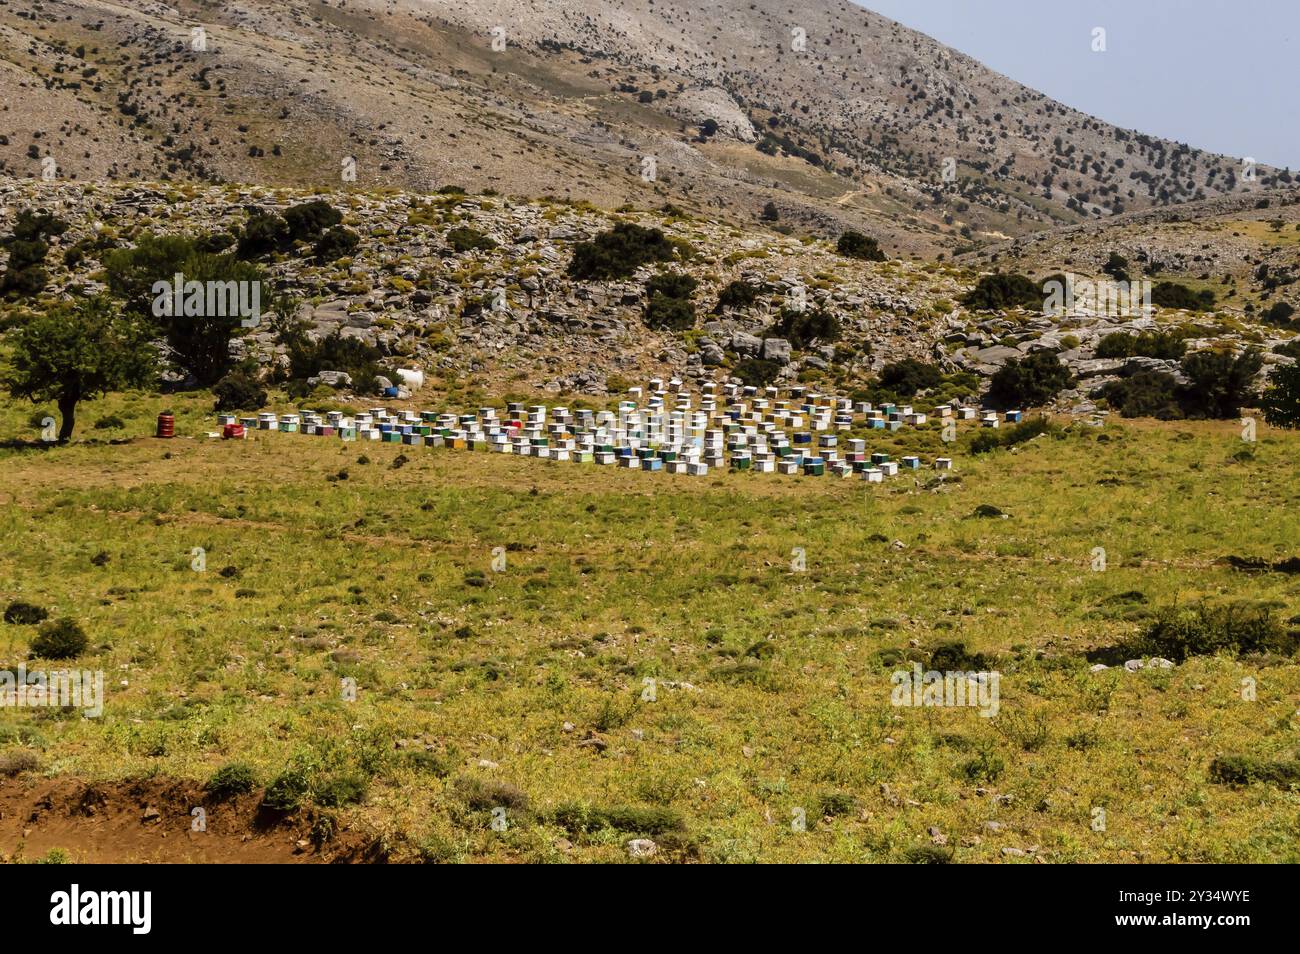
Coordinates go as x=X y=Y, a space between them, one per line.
x=153 y=821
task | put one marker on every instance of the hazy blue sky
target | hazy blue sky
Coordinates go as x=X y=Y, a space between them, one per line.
x=1223 y=75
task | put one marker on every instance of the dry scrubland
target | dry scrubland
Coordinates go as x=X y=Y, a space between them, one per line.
x=773 y=686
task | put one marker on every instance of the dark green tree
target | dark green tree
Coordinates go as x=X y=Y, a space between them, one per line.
x=77 y=352
x=999 y=291
x=25 y=276
x=264 y=233
x=619 y=252
x=1219 y=383
x=856 y=245
x=308 y=221
x=335 y=243
x=736 y=294
x=1280 y=401
x=1028 y=382
x=668 y=302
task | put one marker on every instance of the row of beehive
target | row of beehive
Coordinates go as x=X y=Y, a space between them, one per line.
x=749 y=434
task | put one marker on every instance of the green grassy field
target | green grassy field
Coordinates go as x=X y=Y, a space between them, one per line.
x=526 y=689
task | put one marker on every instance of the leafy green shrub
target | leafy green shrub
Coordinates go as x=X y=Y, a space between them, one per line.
x=998 y=291
x=59 y=639
x=109 y=422
x=264 y=233
x=287 y=792
x=1145 y=394
x=238 y=391
x=422 y=760
x=668 y=302
x=309 y=220
x=1021 y=433
x=619 y=252
x=342 y=789
x=928 y=855
x=1219 y=384
x=1173 y=295
x=736 y=295
x=1280 y=401
x=1245 y=769
x=25 y=275
x=1116 y=267
x=804 y=328
x=650 y=820
x=1168 y=345
x=362 y=361
x=335 y=243
x=1028 y=382
x=953 y=656
x=836 y=804
x=987 y=767
x=856 y=245
x=485 y=794
x=904 y=378
x=465 y=239
x=19 y=613
x=671 y=286
x=1279 y=313
x=756 y=372
x=231 y=780
x=1203 y=630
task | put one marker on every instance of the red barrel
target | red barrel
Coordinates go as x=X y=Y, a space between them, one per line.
x=232 y=430
x=166 y=425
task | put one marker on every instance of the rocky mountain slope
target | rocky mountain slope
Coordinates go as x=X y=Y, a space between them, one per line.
x=507 y=316
x=835 y=115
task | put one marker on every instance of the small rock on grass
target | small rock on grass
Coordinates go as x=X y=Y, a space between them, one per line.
x=642 y=848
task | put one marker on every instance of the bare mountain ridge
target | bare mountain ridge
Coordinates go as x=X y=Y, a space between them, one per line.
x=853 y=131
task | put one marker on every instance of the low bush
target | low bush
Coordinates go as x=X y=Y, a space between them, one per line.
x=619 y=252
x=856 y=245
x=989 y=439
x=19 y=613
x=805 y=328
x=633 y=820
x=465 y=239
x=287 y=791
x=1245 y=769
x=1178 y=633
x=736 y=295
x=1173 y=295
x=1169 y=345
x=668 y=302
x=1031 y=381
x=239 y=391
x=904 y=378
x=756 y=372
x=59 y=639
x=231 y=780
x=1000 y=291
